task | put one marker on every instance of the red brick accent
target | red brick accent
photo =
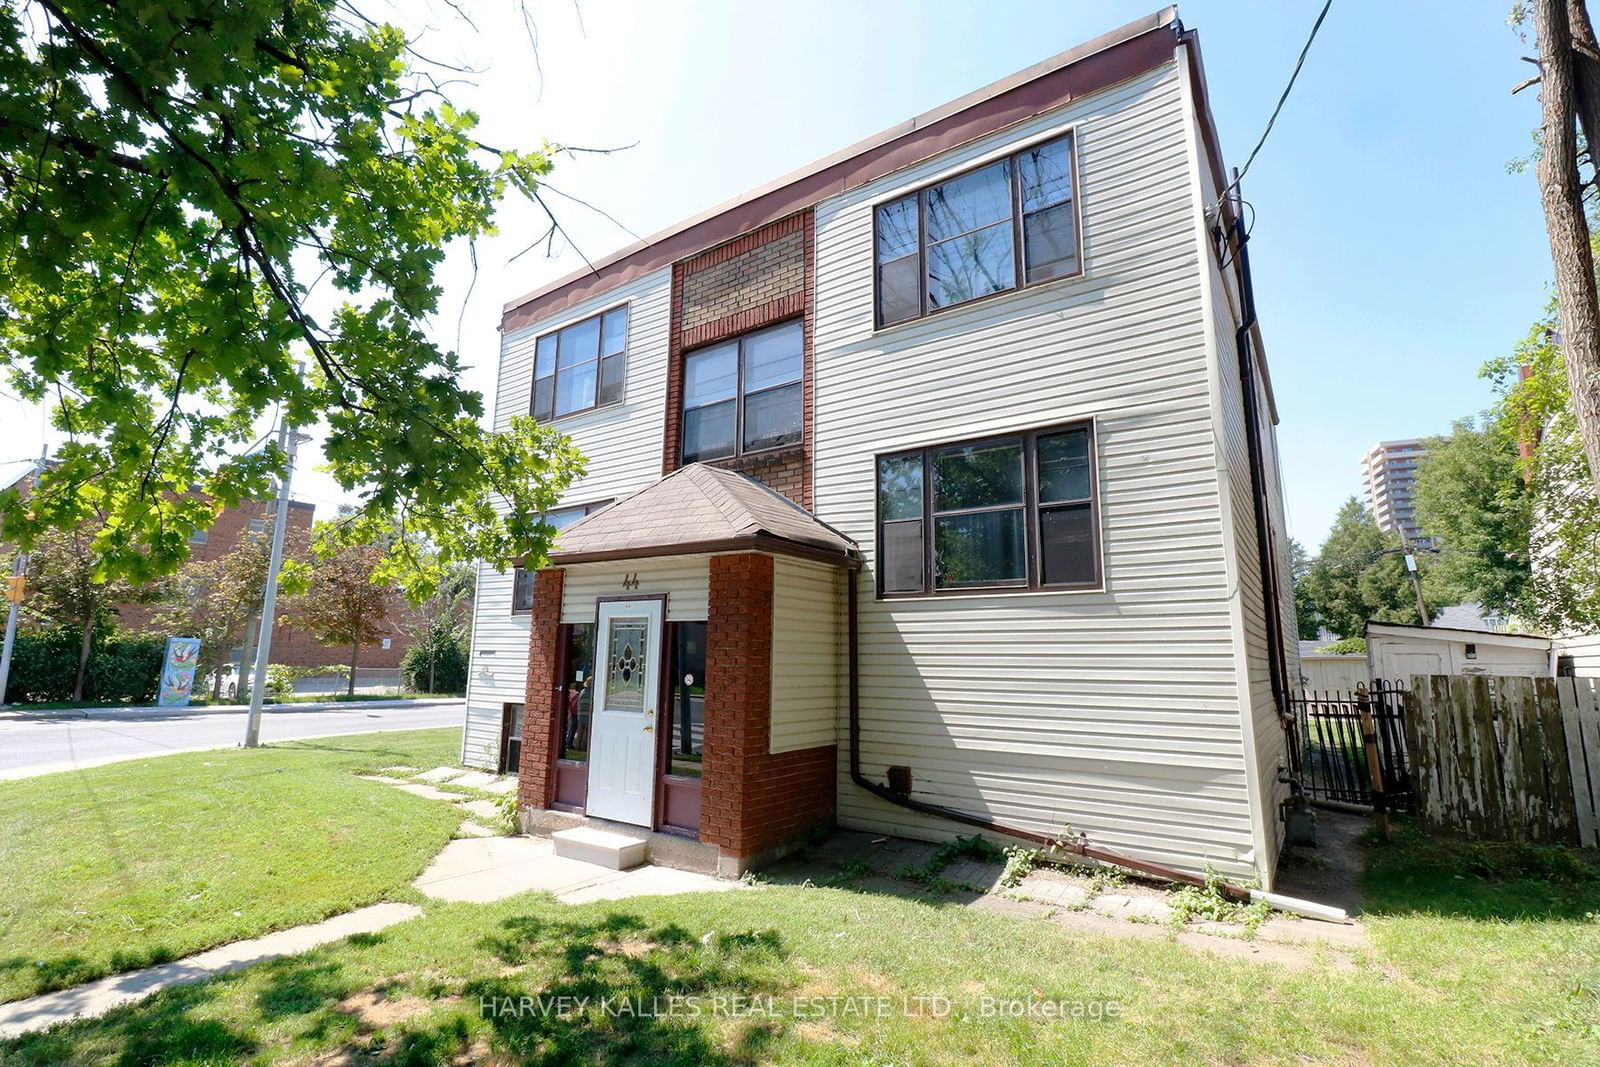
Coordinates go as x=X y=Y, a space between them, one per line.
x=536 y=780
x=752 y=281
x=752 y=800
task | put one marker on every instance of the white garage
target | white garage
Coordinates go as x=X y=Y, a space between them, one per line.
x=1396 y=652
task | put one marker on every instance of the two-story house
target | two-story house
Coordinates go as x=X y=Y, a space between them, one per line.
x=932 y=486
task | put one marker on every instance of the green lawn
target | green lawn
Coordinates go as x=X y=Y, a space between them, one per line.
x=118 y=867
x=1478 y=958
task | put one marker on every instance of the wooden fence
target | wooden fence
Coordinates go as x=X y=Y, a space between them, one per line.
x=1510 y=759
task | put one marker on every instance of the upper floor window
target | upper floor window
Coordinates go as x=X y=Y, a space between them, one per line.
x=1008 y=512
x=977 y=233
x=199 y=537
x=521 y=577
x=744 y=395
x=579 y=367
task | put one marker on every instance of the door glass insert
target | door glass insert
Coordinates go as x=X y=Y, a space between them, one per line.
x=625 y=663
x=688 y=711
x=577 y=707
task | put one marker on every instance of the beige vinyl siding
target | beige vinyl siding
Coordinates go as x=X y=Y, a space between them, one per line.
x=807 y=621
x=622 y=444
x=686 y=581
x=1585 y=653
x=498 y=667
x=1268 y=753
x=1114 y=713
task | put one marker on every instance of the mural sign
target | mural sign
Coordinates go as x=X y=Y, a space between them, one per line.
x=177 y=671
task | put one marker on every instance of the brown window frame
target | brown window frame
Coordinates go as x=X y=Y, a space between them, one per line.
x=740 y=396
x=1018 y=215
x=600 y=358
x=1031 y=507
x=519 y=573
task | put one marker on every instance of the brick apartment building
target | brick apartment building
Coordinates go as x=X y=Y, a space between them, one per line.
x=290 y=645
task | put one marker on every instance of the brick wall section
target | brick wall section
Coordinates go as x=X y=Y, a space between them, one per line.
x=762 y=278
x=291 y=646
x=535 y=777
x=752 y=800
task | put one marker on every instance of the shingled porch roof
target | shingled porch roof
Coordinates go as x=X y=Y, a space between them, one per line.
x=702 y=509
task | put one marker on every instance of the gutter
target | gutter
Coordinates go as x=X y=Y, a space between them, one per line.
x=1078 y=846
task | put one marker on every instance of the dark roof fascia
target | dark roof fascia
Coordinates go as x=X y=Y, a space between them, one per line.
x=1106 y=60
x=757 y=542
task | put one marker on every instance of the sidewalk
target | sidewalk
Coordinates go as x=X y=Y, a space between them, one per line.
x=148 y=711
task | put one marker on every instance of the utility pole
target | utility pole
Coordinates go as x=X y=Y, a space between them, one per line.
x=1416 y=585
x=289 y=441
x=19 y=569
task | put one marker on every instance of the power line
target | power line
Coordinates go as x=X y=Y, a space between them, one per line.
x=1281 y=100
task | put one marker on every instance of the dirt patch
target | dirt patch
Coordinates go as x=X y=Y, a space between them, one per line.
x=375 y=1009
x=1331 y=872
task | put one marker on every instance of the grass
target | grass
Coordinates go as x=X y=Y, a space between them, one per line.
x=1481 y=956
x=123 y=866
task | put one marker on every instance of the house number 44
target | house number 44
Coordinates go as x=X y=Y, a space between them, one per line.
x=630 y=581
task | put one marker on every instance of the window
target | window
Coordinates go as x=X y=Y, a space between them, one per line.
x=258 y=526
x=976 y=234
x=522 y=578
x=199 y=537
x=1013 y=512
x=744 y=395
x=580 y=366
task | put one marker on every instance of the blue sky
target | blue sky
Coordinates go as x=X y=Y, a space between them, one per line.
x=1393 y=253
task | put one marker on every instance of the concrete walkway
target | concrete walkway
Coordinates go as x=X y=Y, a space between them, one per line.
x=493 y=868
x=96 y=998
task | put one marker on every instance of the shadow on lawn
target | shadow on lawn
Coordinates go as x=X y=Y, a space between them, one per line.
x=1417 y=874
x=544 y=991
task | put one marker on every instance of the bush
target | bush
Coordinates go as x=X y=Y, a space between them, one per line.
x=449 y=668
x=1350 y=646
x=281 y=677
x=122 y=669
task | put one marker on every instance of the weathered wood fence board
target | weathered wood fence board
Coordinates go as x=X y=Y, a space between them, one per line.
x=1507 y=758
x=1580 y=720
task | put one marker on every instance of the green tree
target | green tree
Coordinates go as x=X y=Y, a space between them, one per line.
x=1359 y=575
x=1307 y=624
x=1562 y=592
x=343 y=602
x=216 y=600
x=1472 y=497
x=439 y=633
x=175 y=181
x=66 y=586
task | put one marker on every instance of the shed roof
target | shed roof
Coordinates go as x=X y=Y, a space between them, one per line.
x=1451 y=633
x=701 y=509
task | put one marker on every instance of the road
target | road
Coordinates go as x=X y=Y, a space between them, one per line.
x=45 y=742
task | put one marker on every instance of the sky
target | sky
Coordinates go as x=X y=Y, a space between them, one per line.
x=1393 y=251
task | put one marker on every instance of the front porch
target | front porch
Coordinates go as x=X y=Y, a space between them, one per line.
x=684 y=677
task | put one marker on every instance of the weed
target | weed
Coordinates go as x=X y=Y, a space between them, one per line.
x=1019 y=861
x=1209 y=903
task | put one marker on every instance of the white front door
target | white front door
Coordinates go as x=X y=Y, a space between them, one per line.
x=622 y=744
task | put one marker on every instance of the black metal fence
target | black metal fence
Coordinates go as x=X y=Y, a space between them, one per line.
x=1328 y=754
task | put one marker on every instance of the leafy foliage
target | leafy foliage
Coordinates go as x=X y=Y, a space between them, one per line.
x=344 y=604
x=1471 y=496
x=1562 y=592
x=122 y=668
x=65 y=588
x=1352 y=580
x=216 y=600
x=1349 y=646
x=176 y=181
x=1307 y=623
x=436 y=661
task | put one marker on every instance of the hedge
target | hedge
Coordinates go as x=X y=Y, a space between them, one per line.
x=449 y=668
x=122 y=669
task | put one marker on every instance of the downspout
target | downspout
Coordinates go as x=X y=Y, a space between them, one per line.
x=1273 y=606
x=1078 y=846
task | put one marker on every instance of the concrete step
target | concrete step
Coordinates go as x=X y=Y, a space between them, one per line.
x=616 y=851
